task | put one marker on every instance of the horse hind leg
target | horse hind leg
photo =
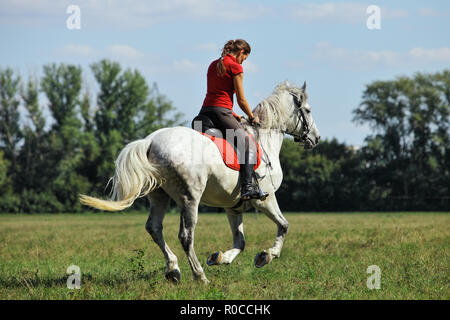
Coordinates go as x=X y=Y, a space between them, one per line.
x=159 y=201
x=237 y=229
x=188 y=221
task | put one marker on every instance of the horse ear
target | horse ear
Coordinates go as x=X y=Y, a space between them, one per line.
x=287 y=84
x=304 y=86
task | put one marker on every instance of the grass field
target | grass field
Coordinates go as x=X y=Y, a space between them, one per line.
x=325 y=257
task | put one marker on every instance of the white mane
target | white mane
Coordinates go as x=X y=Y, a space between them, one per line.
x=272 y=113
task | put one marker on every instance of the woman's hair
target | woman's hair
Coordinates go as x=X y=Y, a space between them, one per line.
x=232 y=46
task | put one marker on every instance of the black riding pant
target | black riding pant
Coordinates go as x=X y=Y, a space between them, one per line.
x=233 y=132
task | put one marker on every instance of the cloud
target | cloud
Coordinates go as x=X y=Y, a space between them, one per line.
x=436 y=55
x=344 y=58
x=208 y=47
x=330 y=11
x=116 y=51
x=132 y=14
x=123 y=51
x=429 y=12
x=128 y=14
x=79 y=50
x=32 y=13
x=184 y=65
x=346 y=12
x=224 y=10
x=131 y=57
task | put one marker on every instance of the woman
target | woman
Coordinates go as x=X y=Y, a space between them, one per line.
x=225 y=77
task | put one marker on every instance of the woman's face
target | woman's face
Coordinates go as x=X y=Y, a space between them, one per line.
x=241 y=56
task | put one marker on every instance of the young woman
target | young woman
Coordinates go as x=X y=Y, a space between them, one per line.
x=225 y=77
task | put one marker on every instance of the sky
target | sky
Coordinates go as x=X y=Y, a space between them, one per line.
x=328 y=44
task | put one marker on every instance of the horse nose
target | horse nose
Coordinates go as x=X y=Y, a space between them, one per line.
x=318 y=138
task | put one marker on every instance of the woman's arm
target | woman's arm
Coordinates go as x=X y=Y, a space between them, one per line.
x=239 y=88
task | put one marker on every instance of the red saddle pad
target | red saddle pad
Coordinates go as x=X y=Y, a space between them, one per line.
x=229 y=154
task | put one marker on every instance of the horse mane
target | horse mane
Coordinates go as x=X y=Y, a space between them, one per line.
x=271 y=112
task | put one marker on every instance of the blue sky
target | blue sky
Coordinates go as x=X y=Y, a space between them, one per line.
x=172 y=42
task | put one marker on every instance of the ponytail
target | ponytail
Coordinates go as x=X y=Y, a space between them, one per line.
x=232 y=46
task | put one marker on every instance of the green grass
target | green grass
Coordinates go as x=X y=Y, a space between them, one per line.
x=325 y=257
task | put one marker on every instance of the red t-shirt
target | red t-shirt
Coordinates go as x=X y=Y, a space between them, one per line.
x=220 y=90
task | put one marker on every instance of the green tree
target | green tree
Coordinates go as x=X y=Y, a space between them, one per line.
x=45 y=162
x=5 y=183
x=327 y=178
x=10 y=132
x=407 y=156
x=113 y=117
x=32 y=155
x=89 y=143
x=127 y=109
x=157 y=113
x=9 y=202
x=62 y=86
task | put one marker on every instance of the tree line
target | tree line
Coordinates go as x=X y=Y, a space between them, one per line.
x=403 y=165
x=47 y=160
x=52 y=151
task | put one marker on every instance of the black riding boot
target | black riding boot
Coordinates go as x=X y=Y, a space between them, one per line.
x=248 y=189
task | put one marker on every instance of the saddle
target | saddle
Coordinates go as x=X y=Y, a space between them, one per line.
x=226 y=149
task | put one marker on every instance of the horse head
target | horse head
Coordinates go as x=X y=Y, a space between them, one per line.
x=300 y=123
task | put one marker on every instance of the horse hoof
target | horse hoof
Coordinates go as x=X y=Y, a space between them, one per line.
x=214 y=259
x=173 y=276
x=262 y=259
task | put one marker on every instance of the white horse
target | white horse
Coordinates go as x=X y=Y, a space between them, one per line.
x=181 y=164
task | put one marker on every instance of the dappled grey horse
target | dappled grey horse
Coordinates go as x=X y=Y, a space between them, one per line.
x=182 y=164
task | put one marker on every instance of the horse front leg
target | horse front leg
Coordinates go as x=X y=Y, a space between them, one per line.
x=237 y=229
x=270 y=209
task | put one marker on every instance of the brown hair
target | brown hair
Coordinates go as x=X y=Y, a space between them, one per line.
x=232 y=46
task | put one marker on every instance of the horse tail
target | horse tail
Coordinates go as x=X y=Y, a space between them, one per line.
x=135 y=177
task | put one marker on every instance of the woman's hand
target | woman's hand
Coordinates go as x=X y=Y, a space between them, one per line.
x=238 y=117
x=255 y=120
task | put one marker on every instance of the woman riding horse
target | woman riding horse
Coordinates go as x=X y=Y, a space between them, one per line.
x=225 y=77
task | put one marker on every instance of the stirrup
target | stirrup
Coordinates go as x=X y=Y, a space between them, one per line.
x=251 y=193
x=262 y=195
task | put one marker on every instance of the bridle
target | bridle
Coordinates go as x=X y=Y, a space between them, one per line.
x=297 y=138
x=306 y=127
